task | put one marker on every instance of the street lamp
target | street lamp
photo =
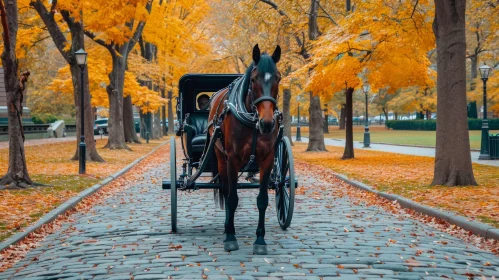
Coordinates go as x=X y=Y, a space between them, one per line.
x=326 y=124
x=484 y=148
x=367 y=134
x=298 y=133
x=81 y=60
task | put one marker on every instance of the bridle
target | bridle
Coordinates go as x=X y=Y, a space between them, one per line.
x=264 y=97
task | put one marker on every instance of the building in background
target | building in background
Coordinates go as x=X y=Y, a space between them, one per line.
x=26 y=117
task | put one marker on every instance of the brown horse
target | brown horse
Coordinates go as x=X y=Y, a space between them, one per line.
x=234 y=147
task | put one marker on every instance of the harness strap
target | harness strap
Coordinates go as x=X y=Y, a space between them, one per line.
x=253 y=151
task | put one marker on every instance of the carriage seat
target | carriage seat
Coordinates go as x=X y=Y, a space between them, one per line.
x=197 y=124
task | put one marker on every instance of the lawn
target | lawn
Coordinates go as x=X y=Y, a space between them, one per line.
x=50 y=164
x=410 y=177
x=379 y=134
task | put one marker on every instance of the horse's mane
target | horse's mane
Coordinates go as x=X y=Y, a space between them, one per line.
x=265 y=65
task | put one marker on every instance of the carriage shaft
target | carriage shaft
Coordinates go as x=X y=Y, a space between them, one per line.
x=167 y=185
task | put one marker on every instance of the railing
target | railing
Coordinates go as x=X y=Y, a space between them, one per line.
x=27 y=128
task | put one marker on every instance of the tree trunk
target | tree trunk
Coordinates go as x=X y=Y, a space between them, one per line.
x=17 y=173
x=163 y=114
x=342 y=116
x=286 y=113
x=316 y=125
x=129 y=122
x=385 y=112
x=116 y=130
x=396 y=116
x=348 y=153
x=156 y=130
x=171 y=124
x=91 y=153
x=143 y=128
x=452 y=155
x=474 y=71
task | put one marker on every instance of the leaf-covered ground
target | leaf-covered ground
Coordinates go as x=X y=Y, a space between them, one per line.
x=410 y=176
x=50 y=164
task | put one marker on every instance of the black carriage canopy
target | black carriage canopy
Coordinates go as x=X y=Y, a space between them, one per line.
x=191 y=86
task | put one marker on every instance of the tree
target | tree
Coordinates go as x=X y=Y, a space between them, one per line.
x=103 y=26
x=71 y=15
x=316 y=127
x=15 y=85
x=316 y=130
x=482 y=37
x=452 y=155
x=388 y=51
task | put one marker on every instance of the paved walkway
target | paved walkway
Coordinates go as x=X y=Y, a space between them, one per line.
x=407 y=150
x=332 y=236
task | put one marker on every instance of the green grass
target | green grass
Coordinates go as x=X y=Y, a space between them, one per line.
x=489 y=221
x=403 y=137
x=63 y=182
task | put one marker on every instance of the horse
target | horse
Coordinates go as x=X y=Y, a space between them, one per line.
x=260 y=86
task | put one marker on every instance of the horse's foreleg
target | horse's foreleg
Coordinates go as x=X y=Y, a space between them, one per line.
x=231 y=202
x=262 y=201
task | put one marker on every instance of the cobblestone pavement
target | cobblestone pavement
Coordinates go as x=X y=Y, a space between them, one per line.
x=330 y=237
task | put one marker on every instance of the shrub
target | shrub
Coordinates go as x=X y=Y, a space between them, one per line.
x=43 y=118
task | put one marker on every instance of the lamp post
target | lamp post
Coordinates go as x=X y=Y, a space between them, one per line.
x=484 y=148
x=326 y=123
x=81 y=60
x=298 y=133
x=367 y=134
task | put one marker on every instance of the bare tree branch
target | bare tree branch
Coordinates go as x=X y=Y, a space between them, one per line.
x=5 y=25
x=327 y=14
x=52 y=26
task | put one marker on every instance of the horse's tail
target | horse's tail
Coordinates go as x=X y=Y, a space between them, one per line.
x=217 y=193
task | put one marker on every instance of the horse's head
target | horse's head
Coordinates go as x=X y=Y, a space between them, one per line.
x=265 y=87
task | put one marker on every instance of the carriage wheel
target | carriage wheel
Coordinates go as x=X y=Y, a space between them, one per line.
x=173 y=182
x=283 y=176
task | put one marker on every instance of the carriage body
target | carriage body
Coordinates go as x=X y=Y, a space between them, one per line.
x=194 y=121
x=197 y=151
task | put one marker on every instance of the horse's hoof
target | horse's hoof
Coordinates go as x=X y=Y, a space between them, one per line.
x=231 y=246
x=259 y=249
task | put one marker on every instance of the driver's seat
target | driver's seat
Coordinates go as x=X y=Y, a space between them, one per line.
x=195 y=127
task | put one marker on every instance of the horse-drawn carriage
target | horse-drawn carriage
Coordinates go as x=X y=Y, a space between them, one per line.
x=203 y=131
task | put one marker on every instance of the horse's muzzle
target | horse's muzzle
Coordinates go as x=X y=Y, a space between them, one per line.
x=266 y=127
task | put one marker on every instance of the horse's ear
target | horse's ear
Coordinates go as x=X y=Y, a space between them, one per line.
x=276 y=56
x=256 y=54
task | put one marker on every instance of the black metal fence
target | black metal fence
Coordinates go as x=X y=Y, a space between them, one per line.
x=35 y=131
x=494 y=146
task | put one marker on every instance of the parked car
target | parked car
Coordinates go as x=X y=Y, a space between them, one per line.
x=100 y=124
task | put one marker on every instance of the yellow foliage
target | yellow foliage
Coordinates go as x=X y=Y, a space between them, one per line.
x=383 y=43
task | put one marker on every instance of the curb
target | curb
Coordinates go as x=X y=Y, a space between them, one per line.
x=71 y=203
x=478 y=228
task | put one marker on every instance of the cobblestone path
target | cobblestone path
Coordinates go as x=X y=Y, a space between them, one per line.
x=129 y=238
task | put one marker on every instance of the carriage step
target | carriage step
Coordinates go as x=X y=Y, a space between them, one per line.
x=167 y=185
